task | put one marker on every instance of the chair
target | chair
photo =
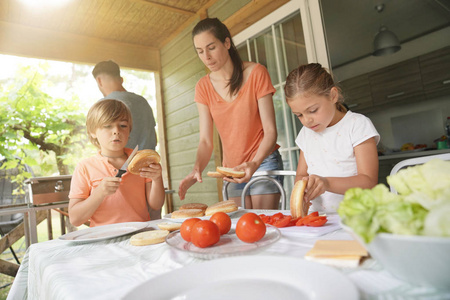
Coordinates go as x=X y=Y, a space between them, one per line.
x=261 y=176
x=8 y=199
x=416 y=161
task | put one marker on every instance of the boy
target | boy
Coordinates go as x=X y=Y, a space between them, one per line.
x=95 y=193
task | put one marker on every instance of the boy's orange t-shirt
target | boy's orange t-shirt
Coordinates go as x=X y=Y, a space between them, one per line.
x=127 y=204
x=238 y=122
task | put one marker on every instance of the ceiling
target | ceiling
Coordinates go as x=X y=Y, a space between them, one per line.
x=149 y=23
x=351 y=25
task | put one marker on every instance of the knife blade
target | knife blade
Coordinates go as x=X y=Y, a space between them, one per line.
x=124 y=167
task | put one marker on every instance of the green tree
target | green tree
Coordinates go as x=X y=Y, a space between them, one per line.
x=39 y=130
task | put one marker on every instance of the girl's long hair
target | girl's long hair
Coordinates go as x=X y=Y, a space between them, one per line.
x=221 y=32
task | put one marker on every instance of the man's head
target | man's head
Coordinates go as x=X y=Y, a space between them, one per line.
x=106 y=67
x=107 y=75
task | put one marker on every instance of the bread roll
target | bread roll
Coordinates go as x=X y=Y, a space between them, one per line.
x=223 y=206
x=229 y=172
x=149 y=237
x=215 y=174
x=169 y=226
x=201 y=206
x=187 y=213
x=143 y=158
x=299 y=208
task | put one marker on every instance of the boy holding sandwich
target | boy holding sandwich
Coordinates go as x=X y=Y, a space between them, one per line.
x=95 y=193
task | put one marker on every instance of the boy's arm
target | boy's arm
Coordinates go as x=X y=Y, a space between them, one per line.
x=155 y=193
x=81 y=210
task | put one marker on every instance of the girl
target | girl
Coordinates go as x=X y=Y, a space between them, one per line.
x=237 y=97
x=95 y=193
x=337 y=147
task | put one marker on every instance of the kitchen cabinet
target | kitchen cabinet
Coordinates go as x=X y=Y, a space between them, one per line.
x=357 y=93
x=401 y=82
x=435 y=71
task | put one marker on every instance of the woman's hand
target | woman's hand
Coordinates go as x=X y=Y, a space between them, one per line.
x=316 y=186
x=153 y=171
x=187 y=182
x=249 y=168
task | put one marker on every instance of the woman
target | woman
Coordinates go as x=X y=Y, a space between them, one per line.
x=237 y=97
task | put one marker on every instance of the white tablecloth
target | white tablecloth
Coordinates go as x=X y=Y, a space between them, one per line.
x=109 y=269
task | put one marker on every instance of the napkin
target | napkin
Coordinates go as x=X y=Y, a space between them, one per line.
x=337 y=253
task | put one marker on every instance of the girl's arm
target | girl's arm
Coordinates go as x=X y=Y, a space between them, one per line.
x=81 y=210
x=302 y=168
x=204 y=150
x=267 y=113
x=367 y=167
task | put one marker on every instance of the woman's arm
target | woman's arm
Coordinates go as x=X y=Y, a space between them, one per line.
x=267 y=113
x=204 y=150
x=81 y=210
x=367 y=167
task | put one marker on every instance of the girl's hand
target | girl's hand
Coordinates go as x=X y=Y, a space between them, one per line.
x=187 y=182
x=153 y=171
x=108 y=186
x=316 y=186
x=249 y=168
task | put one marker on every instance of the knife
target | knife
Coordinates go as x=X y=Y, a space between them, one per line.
x=123 y=169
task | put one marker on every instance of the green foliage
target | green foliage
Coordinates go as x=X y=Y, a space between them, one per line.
x=45 y=133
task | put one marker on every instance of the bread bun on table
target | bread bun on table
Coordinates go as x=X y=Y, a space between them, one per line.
x=187 y=213
x=215 y=174
x=143 y=158
x=229 y=172
x=170 y=226
x=223 y=206
x=201 y=206
x=149 y=237
x=299 y=208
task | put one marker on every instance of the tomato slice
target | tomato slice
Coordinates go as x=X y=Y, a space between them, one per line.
x=265 y=219
x=314 y=214
x=293 y=221
x=277 y=216
x=317 y=222
x=283 y=222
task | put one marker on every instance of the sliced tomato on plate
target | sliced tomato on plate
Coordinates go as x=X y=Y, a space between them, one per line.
x=282 y=222
x=320 y=221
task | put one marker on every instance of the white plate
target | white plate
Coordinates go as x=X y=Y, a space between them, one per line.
x=104 y=232
x=181 y=220
x=229 y=244
x=249 y=277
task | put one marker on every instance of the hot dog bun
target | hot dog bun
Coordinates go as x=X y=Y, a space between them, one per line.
x=215 y=174
x=187 y=213
x=229 y=172
x=143 y=158
x=193 y=206
x=223 y=206
x=299 y=208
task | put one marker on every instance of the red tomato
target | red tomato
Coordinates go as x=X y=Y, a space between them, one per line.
x=222 y=220
x=204 y=234
x=250 y=228
x=186 y=228
x=277 y=216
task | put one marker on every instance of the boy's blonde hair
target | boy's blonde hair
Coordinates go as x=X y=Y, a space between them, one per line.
x=312 y=79
x=105 y=112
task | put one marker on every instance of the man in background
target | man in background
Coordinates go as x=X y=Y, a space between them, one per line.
x=110 y=83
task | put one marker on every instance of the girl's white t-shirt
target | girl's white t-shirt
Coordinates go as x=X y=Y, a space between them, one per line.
x=330 y=153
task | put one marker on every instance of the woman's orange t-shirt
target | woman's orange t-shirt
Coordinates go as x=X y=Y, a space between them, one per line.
x=238 y=122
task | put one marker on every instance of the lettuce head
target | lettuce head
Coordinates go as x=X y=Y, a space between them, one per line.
x=421 y=207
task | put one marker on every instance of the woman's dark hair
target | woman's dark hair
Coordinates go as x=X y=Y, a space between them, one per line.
x=221 y=32
x=312 y=79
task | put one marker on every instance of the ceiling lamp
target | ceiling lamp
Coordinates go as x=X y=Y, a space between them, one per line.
x=385 y=42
